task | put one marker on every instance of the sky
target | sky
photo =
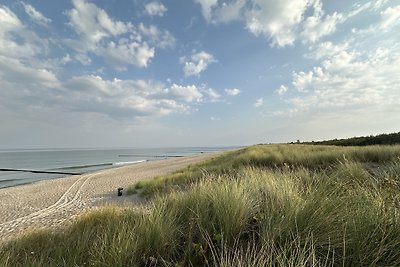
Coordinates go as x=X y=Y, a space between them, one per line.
x=134 y=73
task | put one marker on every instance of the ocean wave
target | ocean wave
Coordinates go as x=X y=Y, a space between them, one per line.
x=85 y=166
x=128 y=162
x=8 y=180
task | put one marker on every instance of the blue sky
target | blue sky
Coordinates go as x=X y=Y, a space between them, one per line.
x=139 y=73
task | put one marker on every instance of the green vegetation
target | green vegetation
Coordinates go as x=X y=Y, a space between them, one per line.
x=266 y=205
x=382 y=139
x=275 y=157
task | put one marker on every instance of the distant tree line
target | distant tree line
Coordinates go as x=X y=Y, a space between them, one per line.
x=382 y=139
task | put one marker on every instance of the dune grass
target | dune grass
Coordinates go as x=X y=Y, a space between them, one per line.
x=268 y=156
x=261 y=206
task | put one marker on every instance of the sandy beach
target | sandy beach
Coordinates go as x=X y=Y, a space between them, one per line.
x=53 y=202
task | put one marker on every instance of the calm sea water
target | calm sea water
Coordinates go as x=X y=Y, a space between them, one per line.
x=80 y=161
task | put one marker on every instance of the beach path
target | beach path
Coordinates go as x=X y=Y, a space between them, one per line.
x=52 y=202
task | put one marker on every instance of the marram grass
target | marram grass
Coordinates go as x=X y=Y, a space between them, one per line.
x=261 y=206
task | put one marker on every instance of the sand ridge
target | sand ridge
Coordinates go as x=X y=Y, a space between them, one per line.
x=53 y=202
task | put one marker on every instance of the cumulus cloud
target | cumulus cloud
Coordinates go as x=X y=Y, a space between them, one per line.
x=281 y=22
x=127 y=52
x=350 y=80
x=301 y=80
x=276 y=19
x=188 y=93
x=132 y=98
x=8 y=20
x=326 y=49
x=93 y=23
x=22 y=72
x=212 y=94
x=232 y=92
x=117 y=99
x=17 y=41
x=206 y=8
x=35 y=15
x=215 y=11
x=259 y=103
x=315 y=27
x=122 y=98
x=155 y=9
x=357 y=75
x=156 y=37
x=27 y=84
x=230 y=11
x=282 y=90
x=197 y=63
x=19 y=76
x=119 y=43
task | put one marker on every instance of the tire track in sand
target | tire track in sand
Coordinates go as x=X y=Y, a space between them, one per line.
x=69 y=198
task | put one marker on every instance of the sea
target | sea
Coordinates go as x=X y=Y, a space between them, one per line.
x=64 y=162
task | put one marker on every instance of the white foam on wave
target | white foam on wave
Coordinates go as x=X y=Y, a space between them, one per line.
x=128 y=162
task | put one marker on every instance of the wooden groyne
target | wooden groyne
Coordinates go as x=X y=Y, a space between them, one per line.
x=35 y=171
x=148 y=156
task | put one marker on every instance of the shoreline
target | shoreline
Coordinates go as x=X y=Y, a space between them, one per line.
x=52 y=202
x=66 y=175
x=80 y=161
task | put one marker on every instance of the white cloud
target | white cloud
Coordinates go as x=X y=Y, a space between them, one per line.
x=206 y=7
x=16 y=40
x=215 y=118
x=131 y=98
x=188 y=93
x=65 y=59
x=315 y=27
x=368 y=6
x=259 y=103
x=350 y=80
x=215 y=11
x=119 y=43
x=282 y=90
x=356 y=76
x=197 y=63
x=128 y=52
x=284 y=22
x=390 y=18
x=301 y=80
x=276 y=19
x=121 y=98
x=326 y=49
x=25 y=87
x=8 y=20
x=93 y=23
x=212 y=94
x=232 y=92
x=155 y=9
x=281 y=22
x=156 y=37
x=35 y=15
x=230 y=11
x=19 y=76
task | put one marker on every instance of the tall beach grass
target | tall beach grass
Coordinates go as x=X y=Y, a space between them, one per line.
x=261 y=206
